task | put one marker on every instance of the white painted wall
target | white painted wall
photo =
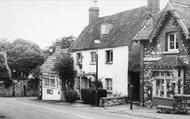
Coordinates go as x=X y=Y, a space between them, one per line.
x=118 y=71
x=56 y=90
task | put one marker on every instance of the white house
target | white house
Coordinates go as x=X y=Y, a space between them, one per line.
x=115 y=34
x=50 y=85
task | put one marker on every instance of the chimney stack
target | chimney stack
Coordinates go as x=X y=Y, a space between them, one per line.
x=154 y=6
x=93 y=12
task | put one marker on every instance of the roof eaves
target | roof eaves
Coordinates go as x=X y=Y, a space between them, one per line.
x=184 y=27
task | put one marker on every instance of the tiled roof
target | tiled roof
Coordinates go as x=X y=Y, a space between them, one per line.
x=125 y=26
x=183 y=2
x=48 y=65
x=169 y=61
x=180 y=9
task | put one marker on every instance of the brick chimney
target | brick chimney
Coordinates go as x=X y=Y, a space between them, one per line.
x=154 y=5
x=93 y=12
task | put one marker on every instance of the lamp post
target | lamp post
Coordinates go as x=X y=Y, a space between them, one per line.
x=96 y=80
x=14 y=71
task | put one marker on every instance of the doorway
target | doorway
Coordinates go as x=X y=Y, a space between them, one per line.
x=134 y=79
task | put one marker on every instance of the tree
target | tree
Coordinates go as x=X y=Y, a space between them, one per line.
x=64 y=42
x=65 y=67
x=5 y=73
x=23 y=56
x=4 y=45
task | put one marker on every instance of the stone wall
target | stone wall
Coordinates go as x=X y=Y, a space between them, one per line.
x=18 y=88
x=163 y=101
x=112 y=101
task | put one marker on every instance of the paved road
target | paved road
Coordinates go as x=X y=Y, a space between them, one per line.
x=27 y=108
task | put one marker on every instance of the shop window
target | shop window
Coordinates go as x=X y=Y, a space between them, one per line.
x=109 y=56
x=172 y=42
x=160 y=87
x=93 y=57
x=155 y=73
x=170 y=88
x=108 y=84
x=49 y=82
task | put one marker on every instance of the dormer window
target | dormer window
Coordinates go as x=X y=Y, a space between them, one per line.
x=105 y=29
x=172 y=42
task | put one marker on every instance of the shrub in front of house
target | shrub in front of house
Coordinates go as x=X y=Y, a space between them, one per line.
x=88 y=95
x=102 y=93
x=71 y=95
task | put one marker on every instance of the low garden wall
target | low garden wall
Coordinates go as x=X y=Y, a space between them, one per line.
x=163 y=101
x=112 y=101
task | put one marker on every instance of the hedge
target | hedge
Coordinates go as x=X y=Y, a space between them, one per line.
x=88 y=95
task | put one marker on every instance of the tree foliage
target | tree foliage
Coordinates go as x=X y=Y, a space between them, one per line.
x=22 y=56
x=5 y=74
x=64 y=42
x=65 y=67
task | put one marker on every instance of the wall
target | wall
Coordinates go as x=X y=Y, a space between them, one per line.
x=118 y=71
x=106 y=102
x=18 y=88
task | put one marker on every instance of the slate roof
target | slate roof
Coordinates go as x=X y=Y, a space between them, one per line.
x=180 y=9
x=125 y=26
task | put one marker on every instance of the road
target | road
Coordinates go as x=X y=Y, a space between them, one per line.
x=29 y=108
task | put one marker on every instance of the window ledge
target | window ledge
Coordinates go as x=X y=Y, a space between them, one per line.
x=93 y=63
x=171 y=52
x=109 y=62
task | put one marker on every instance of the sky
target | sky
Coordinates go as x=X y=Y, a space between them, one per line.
x=44 y=21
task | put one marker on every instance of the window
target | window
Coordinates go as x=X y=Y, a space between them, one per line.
x=168 y=85
x=49 y=82
x=160 y=87
x=109 y=56
x=93 y=57
x=179 y=72
x=170 y=88
x=79 y=58
x=172 y=42
x=108 y=84
x=49 y=91
x=106 y=28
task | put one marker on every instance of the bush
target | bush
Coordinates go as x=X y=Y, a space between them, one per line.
x=71 y=95
x=102 y=93
x=88 y=95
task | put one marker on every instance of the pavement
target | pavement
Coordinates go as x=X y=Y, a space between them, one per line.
x=31 y=108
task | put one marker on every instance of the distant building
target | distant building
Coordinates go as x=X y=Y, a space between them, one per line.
x=50 y=85
x=115 y=35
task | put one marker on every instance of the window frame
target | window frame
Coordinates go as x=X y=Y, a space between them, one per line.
x=93 y=57
x=109 y=84
x=79 y=57
x=109 y=59
x=175 y=43
x=49 y=82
